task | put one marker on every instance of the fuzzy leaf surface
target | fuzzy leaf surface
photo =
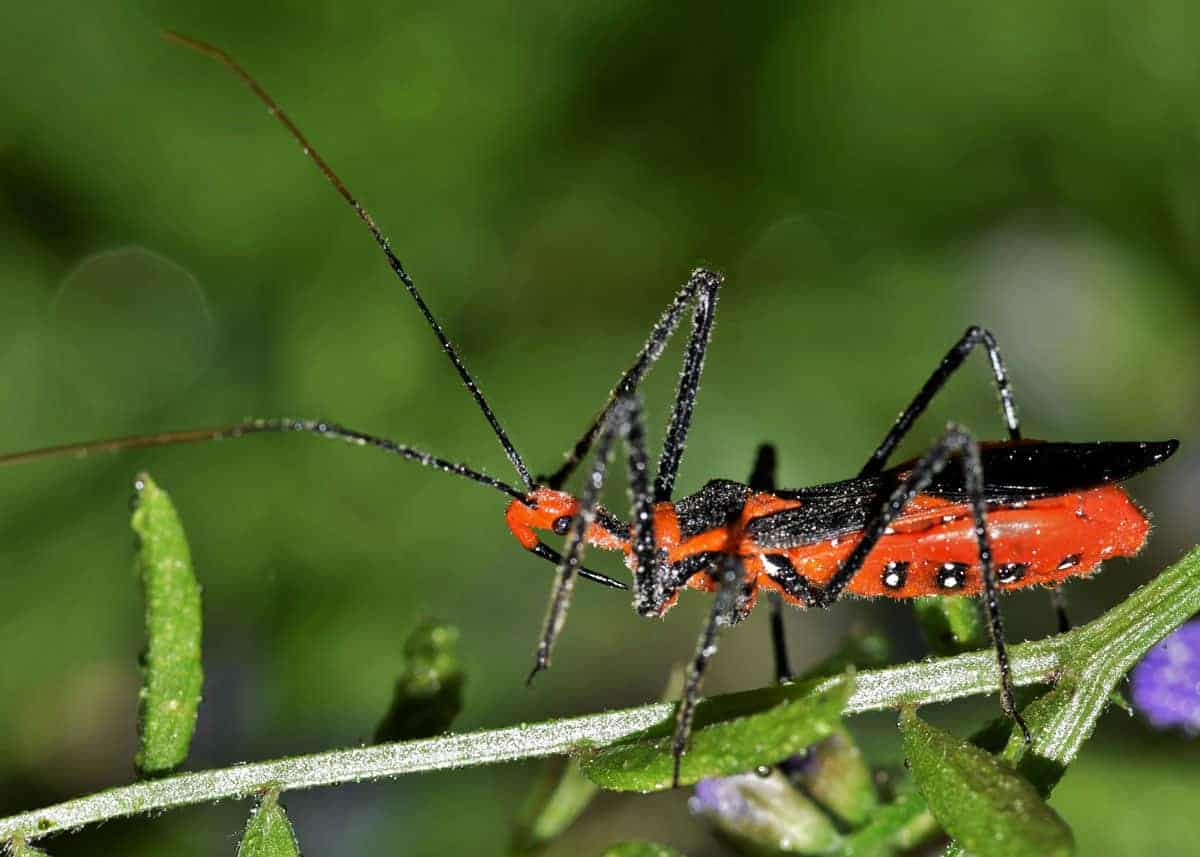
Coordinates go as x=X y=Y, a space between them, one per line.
x=725 y=741
x=269 y=833
x=172 y=674
x=990 y=809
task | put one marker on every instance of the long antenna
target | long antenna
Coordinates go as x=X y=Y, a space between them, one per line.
x=248 y=427
x=220 y=56
x=283 y=424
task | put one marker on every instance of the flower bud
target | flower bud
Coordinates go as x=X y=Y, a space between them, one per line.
x=765 y=814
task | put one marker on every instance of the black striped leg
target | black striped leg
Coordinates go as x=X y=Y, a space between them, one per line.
x=954 y=358
x=956 y=442
x=762 y=478
x=727 y=608
x=689 y=385
x=700 y=289
x=974 y=335
x=624 y=419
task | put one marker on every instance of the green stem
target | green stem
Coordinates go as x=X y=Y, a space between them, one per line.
x=1108 y=646
x=1098 y=655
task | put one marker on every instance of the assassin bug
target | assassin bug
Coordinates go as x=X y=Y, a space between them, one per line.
x=964 y=519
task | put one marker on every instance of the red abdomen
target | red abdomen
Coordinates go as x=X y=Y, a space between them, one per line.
x=931 y=549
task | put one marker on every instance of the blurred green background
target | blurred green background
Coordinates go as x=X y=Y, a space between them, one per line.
x=871 y=178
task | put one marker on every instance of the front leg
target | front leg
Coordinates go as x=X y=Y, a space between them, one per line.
x=735 y=597
x=700 y=290
x=625 y=420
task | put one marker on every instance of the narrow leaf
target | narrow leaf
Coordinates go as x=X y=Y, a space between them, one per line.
x=726 y=740
x=641 y=849
x=1120 y=700
x=983 y=803
x=1044 y=717
x=429 y=692
x=900 y=825
x=269 y=832
x=1095 y=655
x=20 y=848
x=950 y=625
x=561 y=795
x=171 y=673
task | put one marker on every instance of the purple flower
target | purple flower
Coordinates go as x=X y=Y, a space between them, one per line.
x=720 y=796
x=765 y=811
x=1166 y=684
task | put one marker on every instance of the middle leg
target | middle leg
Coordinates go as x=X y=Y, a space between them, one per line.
x=624 y=419
x=700 y=290
x=732 y=603
x=762 y=478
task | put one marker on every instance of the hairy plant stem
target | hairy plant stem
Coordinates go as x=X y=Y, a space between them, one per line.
x=1110 y=645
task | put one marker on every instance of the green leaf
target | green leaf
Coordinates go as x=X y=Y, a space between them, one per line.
x=560 y=796
x=979 y=800
x=429 y=692
x=268 y=832
x=563 y=792
x=1094 y=657
x=1121 y=701
x=900 y=825
x=1040 y=716
x=171 y=674
x=950 y=625
x=727 y=739
x=1043 y=716
x=641 y=849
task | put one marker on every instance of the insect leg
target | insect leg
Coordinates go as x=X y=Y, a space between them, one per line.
x=955 y=442
x=725 y=611
x=624 y=419
x=954 y=358
x=762 y=478
x=689 y=386
x=701 y=288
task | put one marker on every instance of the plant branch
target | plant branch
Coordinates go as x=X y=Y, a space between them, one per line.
x=1116 y=639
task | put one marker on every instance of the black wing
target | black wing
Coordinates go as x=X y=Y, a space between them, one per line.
x=718 y=503
x=1025 y=470
x=1011 y=472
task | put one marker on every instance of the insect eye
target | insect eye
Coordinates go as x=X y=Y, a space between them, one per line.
x=561 y=525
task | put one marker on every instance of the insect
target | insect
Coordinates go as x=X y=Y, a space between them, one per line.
x=964 y=519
